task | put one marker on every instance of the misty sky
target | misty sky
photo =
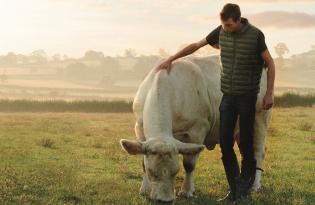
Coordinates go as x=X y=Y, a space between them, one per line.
x=73 y=26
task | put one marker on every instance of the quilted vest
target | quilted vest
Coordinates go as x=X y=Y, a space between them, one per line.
x=241 y=64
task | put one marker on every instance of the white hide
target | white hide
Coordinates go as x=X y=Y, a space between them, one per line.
x=184 y=104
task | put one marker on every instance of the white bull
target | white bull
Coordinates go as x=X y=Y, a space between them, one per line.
x=179 y=113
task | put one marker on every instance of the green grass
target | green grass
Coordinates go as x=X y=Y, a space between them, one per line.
x=75 y=158
x=292 y=99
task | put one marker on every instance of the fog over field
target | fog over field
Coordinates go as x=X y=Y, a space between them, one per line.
x=103 y=49
x=98 y=77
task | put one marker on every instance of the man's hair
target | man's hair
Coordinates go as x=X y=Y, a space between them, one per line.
x=230 y=11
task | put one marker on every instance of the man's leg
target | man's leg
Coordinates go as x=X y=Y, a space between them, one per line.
x=228 y=117
x=246 y=105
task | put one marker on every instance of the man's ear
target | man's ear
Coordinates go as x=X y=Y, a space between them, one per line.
x=132 y=146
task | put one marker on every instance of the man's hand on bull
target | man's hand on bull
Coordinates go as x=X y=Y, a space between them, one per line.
x=166 y=64
x=267 y=101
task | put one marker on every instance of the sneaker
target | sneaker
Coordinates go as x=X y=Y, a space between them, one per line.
x=230 y=197
x=243 y=188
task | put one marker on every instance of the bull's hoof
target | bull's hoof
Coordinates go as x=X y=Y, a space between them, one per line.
x=187 y=194
x=144 y=191
x=257 y=187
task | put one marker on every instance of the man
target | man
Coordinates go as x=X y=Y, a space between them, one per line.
x=243 y=54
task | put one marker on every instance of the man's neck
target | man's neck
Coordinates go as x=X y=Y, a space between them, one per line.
x=240 y=26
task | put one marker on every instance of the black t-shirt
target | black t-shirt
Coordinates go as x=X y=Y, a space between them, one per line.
x=213 y=39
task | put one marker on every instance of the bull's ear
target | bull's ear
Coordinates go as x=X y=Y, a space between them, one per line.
x=132 y=146
x=189 y=148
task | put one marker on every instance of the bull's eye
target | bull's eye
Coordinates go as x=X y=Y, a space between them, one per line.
x=164 y=172
x=153 y=174
x=174 y=171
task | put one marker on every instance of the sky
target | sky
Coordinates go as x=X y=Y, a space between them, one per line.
x=72 y=27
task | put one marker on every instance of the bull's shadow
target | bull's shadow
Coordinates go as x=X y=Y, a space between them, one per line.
x=202 y=199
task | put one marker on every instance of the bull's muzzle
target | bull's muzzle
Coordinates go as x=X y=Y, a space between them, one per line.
x=162 y=192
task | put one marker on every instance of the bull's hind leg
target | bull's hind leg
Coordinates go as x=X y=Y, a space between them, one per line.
x=188 y=187
x=261 y=124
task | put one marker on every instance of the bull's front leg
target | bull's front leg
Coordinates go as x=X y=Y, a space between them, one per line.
x=145 y=188
x=188 y=187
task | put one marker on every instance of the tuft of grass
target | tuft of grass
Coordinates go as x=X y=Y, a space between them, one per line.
x=47 y=142
x=305 y=126
x=88 y=134
x=70 y=198
x=97 y=143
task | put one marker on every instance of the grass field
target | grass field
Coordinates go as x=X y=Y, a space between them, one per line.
x=75 y=158
x=288 y=99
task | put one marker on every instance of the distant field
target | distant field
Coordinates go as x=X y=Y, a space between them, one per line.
x=64 y=106
x=47 y=83
x=298 y=78
x=71 y=91
x=44 y=82
x=75 y=158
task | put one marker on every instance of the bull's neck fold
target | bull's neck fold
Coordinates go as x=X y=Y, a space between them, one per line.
x=157 y=115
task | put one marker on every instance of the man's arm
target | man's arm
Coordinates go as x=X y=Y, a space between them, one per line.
x=212 y=39
x=191 y=48
x=268 y=99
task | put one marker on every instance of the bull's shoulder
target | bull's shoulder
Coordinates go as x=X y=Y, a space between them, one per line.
x=187 y=67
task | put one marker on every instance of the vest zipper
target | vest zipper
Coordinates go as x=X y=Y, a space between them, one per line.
x=231 y=89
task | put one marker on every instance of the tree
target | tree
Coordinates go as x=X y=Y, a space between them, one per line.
x=56 y=57
x=10 y=59
x=93 y=55
x=65 y=57
x=144 y=65
x=22 y=59
x=281 y=49
x=77 y=71
x=38 y=56
x=110 y=67
x=130 y=52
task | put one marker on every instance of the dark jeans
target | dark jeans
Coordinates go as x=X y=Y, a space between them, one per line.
x=231 y=106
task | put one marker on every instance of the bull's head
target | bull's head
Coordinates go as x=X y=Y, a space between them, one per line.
x=161 y=163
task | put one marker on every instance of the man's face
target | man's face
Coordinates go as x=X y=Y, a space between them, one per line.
x=230 y=25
